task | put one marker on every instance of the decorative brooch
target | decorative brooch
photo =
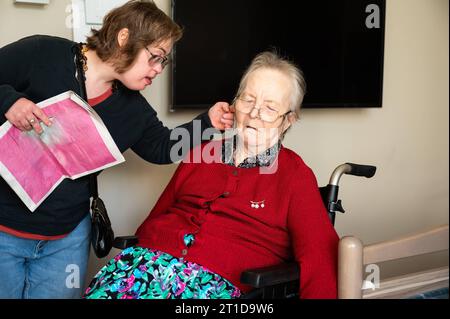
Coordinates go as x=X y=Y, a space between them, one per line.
x=257 y=205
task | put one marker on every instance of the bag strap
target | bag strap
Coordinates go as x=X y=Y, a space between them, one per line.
x=93 y=184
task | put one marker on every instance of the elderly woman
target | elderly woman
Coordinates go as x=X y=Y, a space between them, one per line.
x=246 y=202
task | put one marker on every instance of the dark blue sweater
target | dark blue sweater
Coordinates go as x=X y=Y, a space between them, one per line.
x=39 y=67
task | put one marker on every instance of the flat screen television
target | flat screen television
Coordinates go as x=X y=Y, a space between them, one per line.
x=338 y=44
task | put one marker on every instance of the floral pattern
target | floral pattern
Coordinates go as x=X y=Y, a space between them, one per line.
x=263 y=159
x=141 y=273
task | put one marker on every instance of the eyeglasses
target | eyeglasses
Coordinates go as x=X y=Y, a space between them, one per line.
x=157 y=59
x=265 y=113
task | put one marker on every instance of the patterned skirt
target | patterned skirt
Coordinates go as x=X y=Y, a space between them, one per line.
x=141 y=273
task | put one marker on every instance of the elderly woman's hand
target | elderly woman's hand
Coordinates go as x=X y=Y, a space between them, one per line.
x=221 y=116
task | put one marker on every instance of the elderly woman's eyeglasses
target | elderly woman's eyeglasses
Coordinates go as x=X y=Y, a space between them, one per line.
x=265 y=112
x=157 y=59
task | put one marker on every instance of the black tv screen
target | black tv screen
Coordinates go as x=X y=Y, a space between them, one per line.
x=339 y=45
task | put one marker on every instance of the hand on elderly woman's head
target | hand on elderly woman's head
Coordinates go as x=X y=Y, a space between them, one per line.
x=221 y=115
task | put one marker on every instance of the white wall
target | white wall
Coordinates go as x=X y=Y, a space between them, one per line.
x=407 y=139
x=21 y=20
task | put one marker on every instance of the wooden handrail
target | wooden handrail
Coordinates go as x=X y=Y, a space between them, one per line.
x=353 y=255
x=350 y=268
x=417 y=244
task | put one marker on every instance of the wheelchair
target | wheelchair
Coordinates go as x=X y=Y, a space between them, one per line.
x=282 y=281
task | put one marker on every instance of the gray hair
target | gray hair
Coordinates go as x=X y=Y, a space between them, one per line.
x=271 y=60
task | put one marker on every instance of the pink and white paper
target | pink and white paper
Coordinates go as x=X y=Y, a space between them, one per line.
x=76 y=144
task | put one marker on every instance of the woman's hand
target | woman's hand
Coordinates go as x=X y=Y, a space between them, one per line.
x=25 y=115
x=221 y=116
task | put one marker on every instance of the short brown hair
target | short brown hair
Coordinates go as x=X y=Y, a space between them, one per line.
x=147 y=25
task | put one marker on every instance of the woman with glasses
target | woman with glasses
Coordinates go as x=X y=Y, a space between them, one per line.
x=39 y=249
x=241 y=203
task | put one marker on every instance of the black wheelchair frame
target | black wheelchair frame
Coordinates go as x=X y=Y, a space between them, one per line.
x=282 y=281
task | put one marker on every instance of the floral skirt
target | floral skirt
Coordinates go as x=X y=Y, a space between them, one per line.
x=141 y=273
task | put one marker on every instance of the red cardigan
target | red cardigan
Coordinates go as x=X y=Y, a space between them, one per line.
x=216 y=202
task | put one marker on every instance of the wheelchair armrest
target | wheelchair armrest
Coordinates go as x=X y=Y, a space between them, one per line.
x=124 y=242
x=271 y=276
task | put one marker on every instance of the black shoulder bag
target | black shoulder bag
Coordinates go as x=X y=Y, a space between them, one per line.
x=102 y=236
